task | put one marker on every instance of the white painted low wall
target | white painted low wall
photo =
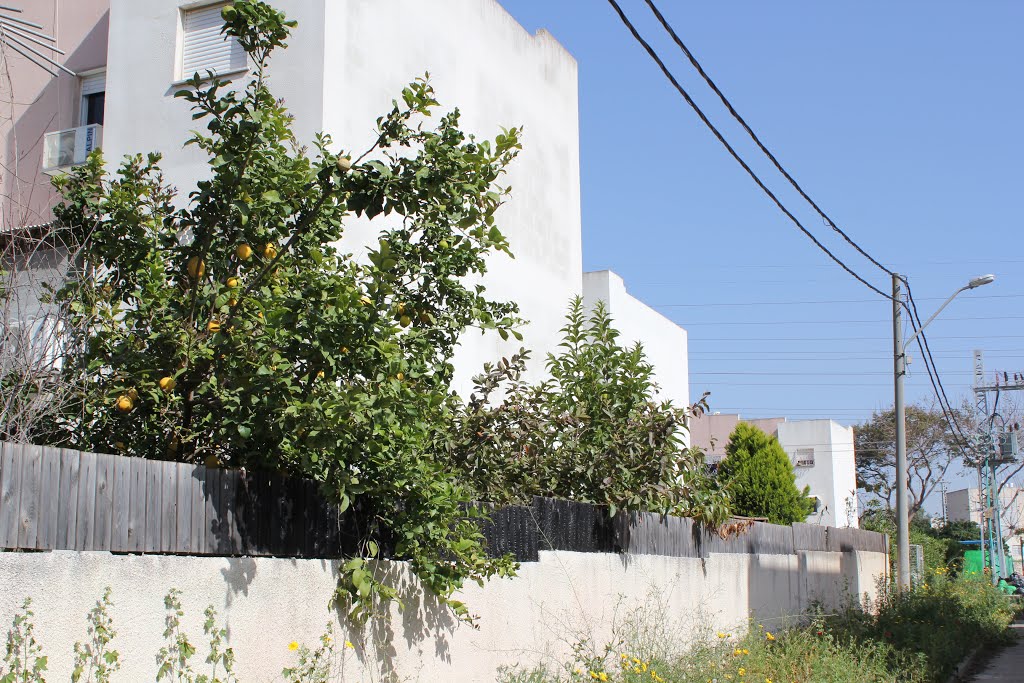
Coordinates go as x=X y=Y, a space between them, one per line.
x=267 y=603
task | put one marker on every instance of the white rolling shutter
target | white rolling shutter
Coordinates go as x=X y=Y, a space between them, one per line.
x=94 y=83
x=205 y=48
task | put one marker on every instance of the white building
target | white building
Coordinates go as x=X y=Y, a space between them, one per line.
x=822 y=453
x=346 y=61
x=966 y=505
x=664 y=342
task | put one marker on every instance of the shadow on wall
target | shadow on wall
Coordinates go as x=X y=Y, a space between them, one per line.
x=781 y=586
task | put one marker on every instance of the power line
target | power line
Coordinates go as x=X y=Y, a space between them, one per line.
x=874 y=321
x=801 y=303
x=747 y=338
x=783 y=373
x=707 y=122
x=755 y=138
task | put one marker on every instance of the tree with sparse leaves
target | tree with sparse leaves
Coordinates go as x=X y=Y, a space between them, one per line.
x=932 y=448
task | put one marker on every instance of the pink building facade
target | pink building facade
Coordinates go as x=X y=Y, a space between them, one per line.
x=37 y=98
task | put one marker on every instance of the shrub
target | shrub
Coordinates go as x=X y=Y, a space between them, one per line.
x=942 y=620
x=594 y=432
x=760 y=478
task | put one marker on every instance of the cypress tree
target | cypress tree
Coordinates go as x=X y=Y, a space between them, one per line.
x=761 y=479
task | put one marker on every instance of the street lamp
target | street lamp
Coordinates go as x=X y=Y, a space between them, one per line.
x=899 y=370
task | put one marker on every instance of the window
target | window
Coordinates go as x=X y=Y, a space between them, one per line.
x=93 y=95
x=804 y=457
x=204 y=48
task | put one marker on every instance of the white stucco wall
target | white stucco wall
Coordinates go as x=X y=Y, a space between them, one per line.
x=833 y=476
x=664 y=342
x=345 y=64
x=267 y=603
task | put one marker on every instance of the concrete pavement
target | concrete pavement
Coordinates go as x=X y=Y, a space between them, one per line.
x=1008 y=664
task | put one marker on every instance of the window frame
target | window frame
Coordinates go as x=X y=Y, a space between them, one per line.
x=83 y=102
x=180 y=77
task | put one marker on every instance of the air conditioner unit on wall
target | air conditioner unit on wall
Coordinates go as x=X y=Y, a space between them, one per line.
x=63 y=149
x=804 y=457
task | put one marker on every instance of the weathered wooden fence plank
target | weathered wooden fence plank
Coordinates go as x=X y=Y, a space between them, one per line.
x=86 y=513
x=231 y=541
x=49 y=504
x=154 y=507
x=184 y=497
x=28 y=515
x=120 y=496
x=10 y=495
x=103 y=514
x=195 y=483
x=138 y=484
x=67 y=510
x=168 y=505
x=246 y=512
x=211 y=497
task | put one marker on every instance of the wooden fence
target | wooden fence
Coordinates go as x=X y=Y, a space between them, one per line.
x=60 y=499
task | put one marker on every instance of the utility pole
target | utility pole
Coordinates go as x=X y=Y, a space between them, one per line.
x=945 y=520
x=899 y=370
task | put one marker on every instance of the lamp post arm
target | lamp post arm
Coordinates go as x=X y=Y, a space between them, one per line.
x=934 y=315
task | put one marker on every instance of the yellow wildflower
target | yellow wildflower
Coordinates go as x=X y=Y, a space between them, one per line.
x=742 y=671
x=721 y=635
x=604 y=676
x=293 y=646
x=768 y=635
x=349 y=645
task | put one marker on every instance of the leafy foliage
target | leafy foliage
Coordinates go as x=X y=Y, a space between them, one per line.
x=760 y=478
x=593 y=432
x=96 y=661
x=232 y=331
x=937 y=622
x=174 y=659
x=24 y=661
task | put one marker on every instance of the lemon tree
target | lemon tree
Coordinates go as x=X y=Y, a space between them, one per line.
x=225 y=325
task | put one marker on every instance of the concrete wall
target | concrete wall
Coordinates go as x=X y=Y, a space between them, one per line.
x=33 y=102
x=345 y=64
x=664 y=342
x=268 y=603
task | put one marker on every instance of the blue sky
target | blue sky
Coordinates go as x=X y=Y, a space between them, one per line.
x=902 y=120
